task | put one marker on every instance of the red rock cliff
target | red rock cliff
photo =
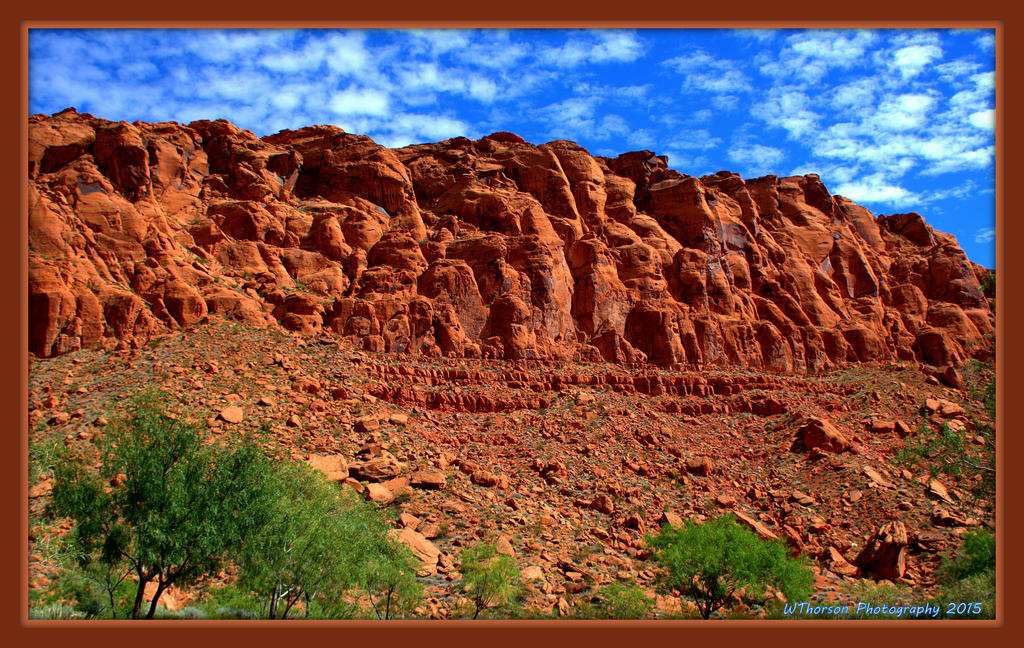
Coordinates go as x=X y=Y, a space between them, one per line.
x=493 y=247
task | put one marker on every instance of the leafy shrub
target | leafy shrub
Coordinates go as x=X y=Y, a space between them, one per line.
x=980 y=588
x=43 y=454
x=229 y=602
x=711 y=562
x=977 y=555
x=164 y=507
x=970 y=577
x=617 y=601
x=489 y=577
x=228 y=612
x=192 y=613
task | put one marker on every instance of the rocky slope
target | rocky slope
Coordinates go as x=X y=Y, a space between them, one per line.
x=567 y=465
x=493 y=248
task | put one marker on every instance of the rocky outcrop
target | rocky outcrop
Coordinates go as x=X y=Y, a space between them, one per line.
x=885 y=554
x=486 y=248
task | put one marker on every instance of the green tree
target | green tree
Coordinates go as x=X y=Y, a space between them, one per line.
x=489 y=577
x=162 y=505
x=710 y=562
x=317 y=541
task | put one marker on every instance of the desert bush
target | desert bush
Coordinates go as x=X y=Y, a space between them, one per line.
x=617 y=601
x=977 y=555
x=164 y=507
x=55 y=612
x=489 y=578
x=976 y=588
x=970 y=577
x=711 y=562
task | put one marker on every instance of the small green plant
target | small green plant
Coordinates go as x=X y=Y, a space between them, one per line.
x=43 y=455
x=946 y=444
x=617 y=601
x=977 y=555
x=711 y=562
x=489 y=577
x=229 y=602
x=55 y=612
x=960 y=600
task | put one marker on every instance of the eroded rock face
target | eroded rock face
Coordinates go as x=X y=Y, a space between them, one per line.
x=493 y=248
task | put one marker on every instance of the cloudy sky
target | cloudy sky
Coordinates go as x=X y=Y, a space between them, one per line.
x=897 y=120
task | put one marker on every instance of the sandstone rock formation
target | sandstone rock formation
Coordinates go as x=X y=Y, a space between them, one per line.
x=486 y=248
x=884 y=556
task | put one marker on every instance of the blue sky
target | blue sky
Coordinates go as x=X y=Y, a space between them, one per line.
x=897 y=120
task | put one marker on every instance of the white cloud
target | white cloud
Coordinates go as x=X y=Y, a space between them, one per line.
x=482 y=89
x=641 y=139
x=954 y=70
x=855 y=95
x=985 y=119
x=346 y=52
x=830 y=175
x=910 y=60
x=428 y=127
x=685 y=163
x=760 y=35
x=137 y=71
x=498 y=51
x=702 y=115
x=697 y=59
x=596 y=46
x=726 y=82
x=916 y=37
x=355 y=101
x=618 y=46
x=441 y=41
x=573 y=109
x=962 y=161
x=905 y=112
x=788 y=108
x=810 y=55
x=756 y=155
x=308 y=58
x=228 y=46
x=985 y=80
x=985 y=235
x=614 y=125
x=286 y=100
x=242 y=86
x=877 y=190
x=577 y=117
x=697 y=140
